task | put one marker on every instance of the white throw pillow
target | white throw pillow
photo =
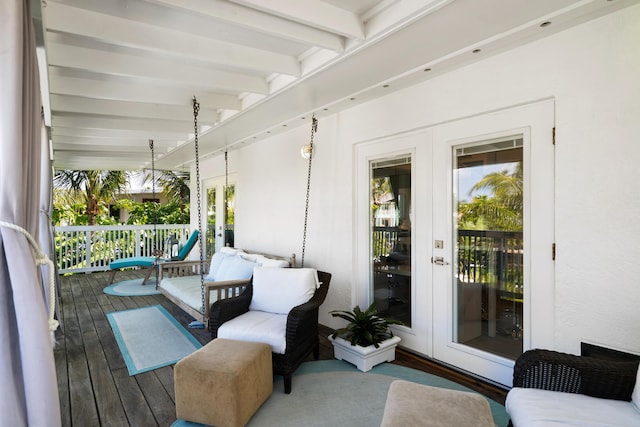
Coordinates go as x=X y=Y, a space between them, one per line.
x=270 y=262
x=235 y=268
x=231 y=251
x=216 y=261
x=278 y=290
x=250 y=257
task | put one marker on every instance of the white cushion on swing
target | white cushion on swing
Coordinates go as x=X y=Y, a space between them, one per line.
x=216 y=260
x=187 y=289
x=263 y=261
x=234 y=268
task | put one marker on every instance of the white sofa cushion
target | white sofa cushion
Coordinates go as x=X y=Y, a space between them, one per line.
x=529 y=407
x=234 y=268
x=257 y=326
x=278 y=290
x=264 y=261
x=187 y=289
x=216 y=261
x=231 y=251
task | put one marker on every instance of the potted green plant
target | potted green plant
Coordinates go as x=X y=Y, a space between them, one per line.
x=366 y=340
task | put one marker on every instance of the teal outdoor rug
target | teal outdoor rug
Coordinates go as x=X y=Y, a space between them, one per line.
x=335 y=393
x=150 y=338
x=132 y=288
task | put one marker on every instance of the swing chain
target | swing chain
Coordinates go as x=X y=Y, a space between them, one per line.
x=153 y=191
x=314 y=129
x=196 y=109
x=225 y=212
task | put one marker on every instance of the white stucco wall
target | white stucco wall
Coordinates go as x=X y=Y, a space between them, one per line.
x=592 y=73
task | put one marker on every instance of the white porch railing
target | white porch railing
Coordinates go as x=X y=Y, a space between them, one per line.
x=92 y=248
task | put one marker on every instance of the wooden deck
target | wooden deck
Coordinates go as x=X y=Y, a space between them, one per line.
x=93 y=382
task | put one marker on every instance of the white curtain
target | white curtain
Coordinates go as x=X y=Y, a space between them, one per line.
x=28 y=388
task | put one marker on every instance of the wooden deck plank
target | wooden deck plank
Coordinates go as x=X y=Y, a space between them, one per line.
x=133 y=400
x=160 y=402
x=62 y=374
x=110 y=409
x=82 y=400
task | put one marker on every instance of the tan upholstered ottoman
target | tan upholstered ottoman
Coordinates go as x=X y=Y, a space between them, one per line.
x=411 y=404
x=224 y=383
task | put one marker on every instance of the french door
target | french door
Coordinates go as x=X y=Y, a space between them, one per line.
x=218 y=220
x=449 y=215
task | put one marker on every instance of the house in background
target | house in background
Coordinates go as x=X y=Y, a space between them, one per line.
x=552 y=84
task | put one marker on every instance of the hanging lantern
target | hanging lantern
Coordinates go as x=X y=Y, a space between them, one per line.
x=172 y=247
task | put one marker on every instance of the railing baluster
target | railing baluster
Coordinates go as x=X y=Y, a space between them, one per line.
x=85 y=248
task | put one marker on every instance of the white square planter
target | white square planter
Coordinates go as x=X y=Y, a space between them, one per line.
x=365 y=358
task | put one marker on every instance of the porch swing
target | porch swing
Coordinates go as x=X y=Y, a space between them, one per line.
x=194 y=285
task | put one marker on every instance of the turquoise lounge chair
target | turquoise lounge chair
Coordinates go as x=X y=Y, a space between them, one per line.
x=150 y=262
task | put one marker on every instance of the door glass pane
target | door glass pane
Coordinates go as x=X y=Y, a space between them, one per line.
x=488 y=186
x=390 y=194
x=229 y=215
x=211 y=222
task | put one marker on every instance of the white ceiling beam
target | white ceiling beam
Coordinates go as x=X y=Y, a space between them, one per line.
x=125 y=32
x=143 y=151
x=90 y=141
x=260 y=22
x=73 y=160
x=159 y=126
x=164 y=72
x=140 y=135
x=139 y=92
x=77 y=104
x=314 y=13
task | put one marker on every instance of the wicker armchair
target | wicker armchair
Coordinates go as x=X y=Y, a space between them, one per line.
x=555 y=371
x=301 y=329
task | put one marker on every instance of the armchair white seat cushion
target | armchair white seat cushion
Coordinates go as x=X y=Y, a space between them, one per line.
x=276 y=291
x=258 y=326
x=530 y=407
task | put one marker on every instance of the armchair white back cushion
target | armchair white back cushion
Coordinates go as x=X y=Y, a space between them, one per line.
x=278 y=290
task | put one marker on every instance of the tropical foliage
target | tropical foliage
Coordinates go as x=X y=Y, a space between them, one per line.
x=501 y=209
x=365 y=328
x=83 y=197
x=96 y=189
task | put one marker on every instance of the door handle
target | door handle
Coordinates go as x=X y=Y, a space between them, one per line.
x=438 y=260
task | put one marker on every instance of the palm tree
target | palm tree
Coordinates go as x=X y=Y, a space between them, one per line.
x=502 y=210
x=175 y=184
x=96 y=187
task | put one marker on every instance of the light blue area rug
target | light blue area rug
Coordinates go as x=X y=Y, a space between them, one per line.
x=150 y=338
x=132 y=288
x=335 y=393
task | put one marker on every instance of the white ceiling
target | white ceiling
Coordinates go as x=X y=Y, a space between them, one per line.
x=121 y=72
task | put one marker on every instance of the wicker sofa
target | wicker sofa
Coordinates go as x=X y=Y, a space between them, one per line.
x=554 y=389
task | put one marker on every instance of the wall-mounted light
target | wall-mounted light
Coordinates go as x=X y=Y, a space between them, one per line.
x=305 y=151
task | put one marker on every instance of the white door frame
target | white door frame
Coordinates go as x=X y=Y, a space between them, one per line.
x=432 y=310
x=219 y=183
x=535 y=122
x=417 y=145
